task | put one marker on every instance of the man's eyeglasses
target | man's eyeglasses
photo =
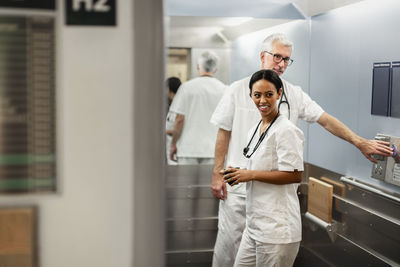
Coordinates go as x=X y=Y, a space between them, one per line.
x=278 y=58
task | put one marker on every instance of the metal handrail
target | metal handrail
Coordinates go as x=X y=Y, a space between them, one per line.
x=370 y=188
x=332 y=228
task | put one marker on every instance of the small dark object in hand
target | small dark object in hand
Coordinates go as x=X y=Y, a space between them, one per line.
x=226 y=172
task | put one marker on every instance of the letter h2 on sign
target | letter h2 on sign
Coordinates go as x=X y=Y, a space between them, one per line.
x=91 y=12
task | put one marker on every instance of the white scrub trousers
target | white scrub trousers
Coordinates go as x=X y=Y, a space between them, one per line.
x=194 y=161
x=231 y=223
x=256 y=254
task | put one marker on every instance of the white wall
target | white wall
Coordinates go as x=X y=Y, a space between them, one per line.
x=345 y=43
x=89 y=221
x=200 y=40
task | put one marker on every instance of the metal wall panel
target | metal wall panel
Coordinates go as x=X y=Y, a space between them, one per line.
x=368 y=236
x=192 y=212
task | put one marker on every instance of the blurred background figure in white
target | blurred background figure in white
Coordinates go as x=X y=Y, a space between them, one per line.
x=172 y=84
x=193 y=138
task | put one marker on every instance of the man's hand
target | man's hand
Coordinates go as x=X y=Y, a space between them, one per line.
x=172 y=152
x=218 y=186
x=176 y=133
x=367 y=147
x=375 y=147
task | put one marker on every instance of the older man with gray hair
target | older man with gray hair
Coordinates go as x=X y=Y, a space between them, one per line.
x=193 y=138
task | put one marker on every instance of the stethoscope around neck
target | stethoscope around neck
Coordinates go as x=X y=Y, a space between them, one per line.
x=284 y=100
x=247 y=148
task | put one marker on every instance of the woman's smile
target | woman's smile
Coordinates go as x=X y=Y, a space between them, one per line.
x=263 y=108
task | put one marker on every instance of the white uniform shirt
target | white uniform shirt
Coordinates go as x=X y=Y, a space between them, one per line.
x=273 y=211
x=196 y=100
x=169 y=126
x=236 y=112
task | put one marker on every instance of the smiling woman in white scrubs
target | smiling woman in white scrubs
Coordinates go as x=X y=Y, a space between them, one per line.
x=275 y=164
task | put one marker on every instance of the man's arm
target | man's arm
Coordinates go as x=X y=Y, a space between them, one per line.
x=178 y=126
x=367 y=147
x=218 y=187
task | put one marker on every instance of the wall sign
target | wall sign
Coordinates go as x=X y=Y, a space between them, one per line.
x=380 y=89
x=37 y=4
x=91 y=12
x=395 y=92
x=27 y=105
x=386 y=89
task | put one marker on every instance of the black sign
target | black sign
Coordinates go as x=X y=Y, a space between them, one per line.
x=91 y=12
x=39 y=4
x=380 y=89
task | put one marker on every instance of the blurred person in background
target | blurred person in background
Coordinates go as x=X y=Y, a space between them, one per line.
x=193 y=138
x=172 y=84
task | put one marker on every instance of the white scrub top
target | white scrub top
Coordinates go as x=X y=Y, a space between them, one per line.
x=236 y=112
x=196 y=100
x=169 y=126
x=273 y=211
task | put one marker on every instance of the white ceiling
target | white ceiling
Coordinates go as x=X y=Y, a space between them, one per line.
x=194 y=22
x=288 y=9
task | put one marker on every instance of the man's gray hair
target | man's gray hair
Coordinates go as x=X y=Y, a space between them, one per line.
x=280 y=37
x=208 y=61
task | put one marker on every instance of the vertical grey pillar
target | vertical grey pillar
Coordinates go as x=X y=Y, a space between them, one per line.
x=149 y=123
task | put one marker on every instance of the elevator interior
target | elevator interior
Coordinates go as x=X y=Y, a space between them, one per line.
x=364 y=230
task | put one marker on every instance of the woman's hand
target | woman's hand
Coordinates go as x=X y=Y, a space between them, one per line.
x=234 y=176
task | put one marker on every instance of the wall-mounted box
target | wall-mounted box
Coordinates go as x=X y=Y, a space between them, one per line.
x=388 y=168
x=381 y=89
x=395 y=90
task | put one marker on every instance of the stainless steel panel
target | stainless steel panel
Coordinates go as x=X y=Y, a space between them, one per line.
x=371 y=232
x=189 y=175
x=193 y=234
x=343 y=252
x=191 y=240
x=369 y=200
x=189 y=224
x=192 y=216
x=200 y=258
x=191 y=264
x=311 y=170
x=309 y=258
x=189 y=191
x=186 y=208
